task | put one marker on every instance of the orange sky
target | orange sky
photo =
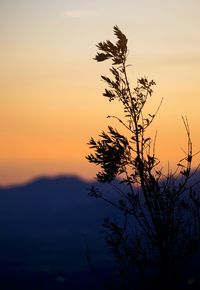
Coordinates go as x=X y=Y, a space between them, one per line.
x=50 y=88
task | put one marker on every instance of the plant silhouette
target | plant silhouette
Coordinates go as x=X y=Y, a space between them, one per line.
x=159 y=229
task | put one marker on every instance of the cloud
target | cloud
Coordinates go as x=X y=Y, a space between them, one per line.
x=76 y=13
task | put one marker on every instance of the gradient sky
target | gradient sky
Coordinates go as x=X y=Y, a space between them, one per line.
x=50 y=88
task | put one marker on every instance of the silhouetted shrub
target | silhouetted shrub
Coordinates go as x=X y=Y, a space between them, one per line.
x=159 y=229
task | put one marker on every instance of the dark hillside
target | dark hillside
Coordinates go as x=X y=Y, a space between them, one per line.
x=44 y=228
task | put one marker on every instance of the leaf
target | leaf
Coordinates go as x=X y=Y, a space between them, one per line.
x=102 y=56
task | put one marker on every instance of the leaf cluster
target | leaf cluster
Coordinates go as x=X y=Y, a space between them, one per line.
x=112 y=153
x=116 y=52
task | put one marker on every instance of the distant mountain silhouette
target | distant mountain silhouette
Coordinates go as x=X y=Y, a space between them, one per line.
x=44 y=228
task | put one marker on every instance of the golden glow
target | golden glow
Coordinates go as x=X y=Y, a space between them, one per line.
x=50 y=88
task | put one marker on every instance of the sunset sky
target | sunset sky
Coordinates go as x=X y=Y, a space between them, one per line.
x=50 y=87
